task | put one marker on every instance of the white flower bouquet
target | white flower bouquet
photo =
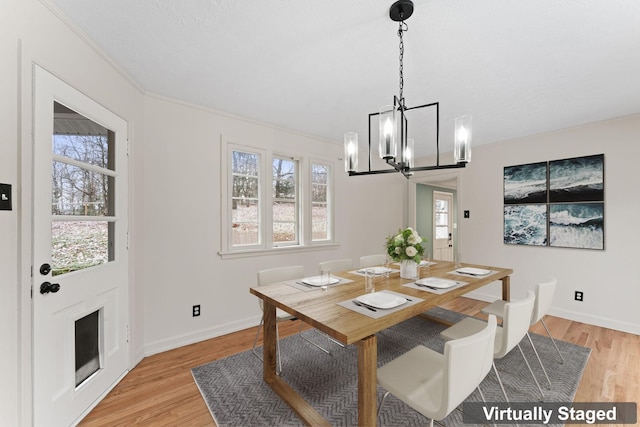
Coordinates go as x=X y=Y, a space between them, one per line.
x=405 y=246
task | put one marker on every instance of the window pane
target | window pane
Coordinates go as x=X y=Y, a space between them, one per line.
x=284 y=211
x=284 y=232
x=245 y=163
x=319 y=222
x=245 y=233
x=245 y=201
x=79 y=191
x=76 y=245
x=320 y=202
x=442 y=206
x=285 y=200
x=245 y=211
x=442 y=219
x=320 y=174
x=245 y=187
x=442 y=232
x=319 y=193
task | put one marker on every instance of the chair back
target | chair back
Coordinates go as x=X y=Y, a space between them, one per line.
x=337 y=265
x=544 y=298
x=372 y=260
x=279 y=274
x=467 y=362
x=515 y=323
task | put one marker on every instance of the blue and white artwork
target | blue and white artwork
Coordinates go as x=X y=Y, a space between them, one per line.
x=577 y=225
x=525 y=183
x=525 y=224
x=580 y=179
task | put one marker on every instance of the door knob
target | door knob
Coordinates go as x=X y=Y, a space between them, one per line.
x=45 y=269
x=47 y=287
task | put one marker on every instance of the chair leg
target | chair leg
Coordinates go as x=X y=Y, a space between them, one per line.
x=255 y=341
x=501 y=386
x=539 y=361
x=311 y=342
x=381 y=403
x=552 y=340
x=531 y=371
x=500 y=382
x=483 y=399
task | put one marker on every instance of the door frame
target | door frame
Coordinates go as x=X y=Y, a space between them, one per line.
x=24 y=205
x=444 y=179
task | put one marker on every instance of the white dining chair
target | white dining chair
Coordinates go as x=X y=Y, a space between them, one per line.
x=372 y=260
x=544 y=298
x=515 y=323
x=344 y=264
x=275 y=275
x=435 y=384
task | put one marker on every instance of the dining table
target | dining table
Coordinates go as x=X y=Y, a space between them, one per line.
x=330 y=312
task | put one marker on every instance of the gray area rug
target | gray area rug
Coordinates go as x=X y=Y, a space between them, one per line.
x=237 y=396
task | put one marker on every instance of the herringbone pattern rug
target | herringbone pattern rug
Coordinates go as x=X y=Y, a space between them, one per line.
x=237 y=396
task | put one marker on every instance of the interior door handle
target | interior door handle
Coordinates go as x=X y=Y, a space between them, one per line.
x=47 y=287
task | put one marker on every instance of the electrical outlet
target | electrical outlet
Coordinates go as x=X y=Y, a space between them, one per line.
x=579 y=295
x=196 y=310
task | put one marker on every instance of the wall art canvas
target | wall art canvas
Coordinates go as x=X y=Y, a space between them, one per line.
x=580 y=179
x=525 y=183
x=577 y=225
x=525 y=224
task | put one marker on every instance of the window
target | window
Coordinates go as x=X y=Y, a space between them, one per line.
x=285 y=201
x=319 y=202
x=274 y=201
x=245 y=198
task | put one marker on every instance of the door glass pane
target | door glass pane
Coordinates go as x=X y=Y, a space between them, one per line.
x=80 y=189
x=442 y=232
x=87 y=348
x=76 y=245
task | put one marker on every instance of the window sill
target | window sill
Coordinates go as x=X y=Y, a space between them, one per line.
x=275 y=251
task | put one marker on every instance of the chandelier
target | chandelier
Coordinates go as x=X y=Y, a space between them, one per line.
x=395 y=146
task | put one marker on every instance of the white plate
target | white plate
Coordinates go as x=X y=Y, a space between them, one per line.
x=376 y=270
x=473 y=271
x=381 y=300
x=315 y=281
x=434 y=282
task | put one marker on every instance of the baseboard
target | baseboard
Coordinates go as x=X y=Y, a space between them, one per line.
x=589 y=319
x=197 y=336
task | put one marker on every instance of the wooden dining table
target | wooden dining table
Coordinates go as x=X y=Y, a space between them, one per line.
x=321 y=310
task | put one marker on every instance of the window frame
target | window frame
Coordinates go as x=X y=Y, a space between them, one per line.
x=304 y=198
x=329 y=201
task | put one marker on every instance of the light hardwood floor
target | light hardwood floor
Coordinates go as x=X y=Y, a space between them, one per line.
x=160 y=391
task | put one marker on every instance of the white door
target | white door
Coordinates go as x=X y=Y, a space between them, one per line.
x=442 y=226
x=80 y=278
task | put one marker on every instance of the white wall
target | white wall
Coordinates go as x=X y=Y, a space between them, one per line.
x=609 y=279
x=182 y=226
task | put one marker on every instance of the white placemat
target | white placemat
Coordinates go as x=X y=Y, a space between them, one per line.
x=377 y=313
x=435 y=290
x=298 y=284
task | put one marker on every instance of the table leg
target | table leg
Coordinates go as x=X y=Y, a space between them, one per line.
x=506 y=288
x=367 y=368
x=269 y=347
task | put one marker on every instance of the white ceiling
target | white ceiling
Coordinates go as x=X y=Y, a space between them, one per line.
x=321 y=66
